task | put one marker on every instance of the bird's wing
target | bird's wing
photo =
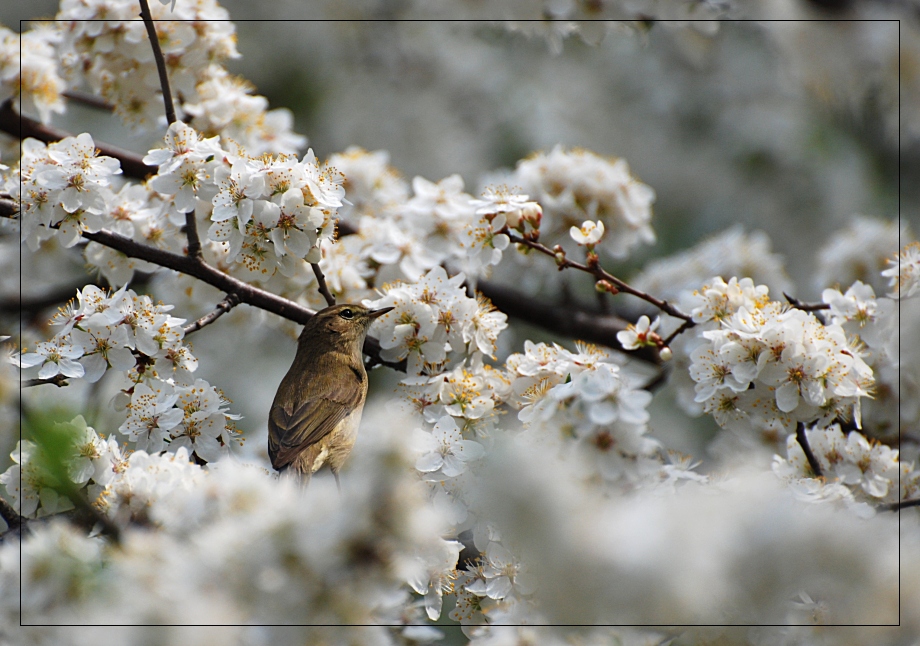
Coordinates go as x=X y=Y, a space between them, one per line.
x=292 y=429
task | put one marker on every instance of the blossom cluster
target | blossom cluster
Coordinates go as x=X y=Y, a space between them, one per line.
x=314 y=556
x=431 y=318
x=769 y=366
x=269 y=211
x=89 y=461
x=577 y=185
x=34 y=78
x=123 y=331
x=403 y=233
x=585 y=400
x=65 y=189
x=105 y=46
x=126 y=332
x=859 y=472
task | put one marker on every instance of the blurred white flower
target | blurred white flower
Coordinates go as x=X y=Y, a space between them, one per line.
x=444 y=451
x=578 y=185
x=904 y=271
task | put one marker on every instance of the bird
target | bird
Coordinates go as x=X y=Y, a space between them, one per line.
x=314 y=417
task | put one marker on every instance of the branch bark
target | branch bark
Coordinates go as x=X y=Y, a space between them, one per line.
x=902 y=504
x=13 y=123
x=803 y=442
x=58 y=380
x=572 y=322
x=805 y=307
x=222 y=308
x=10 y=515
x=321 y=282
x=601 y=274
x=160 y=61
x=206 y=273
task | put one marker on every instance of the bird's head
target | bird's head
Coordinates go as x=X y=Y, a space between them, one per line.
x=341 y=325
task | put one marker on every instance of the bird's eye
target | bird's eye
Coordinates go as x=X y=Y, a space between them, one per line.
x=347 y=314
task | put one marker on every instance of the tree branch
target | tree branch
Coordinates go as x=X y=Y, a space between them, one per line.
x=806 y=307
x=231 y=301
x=10 y=515
x=91 y=100
x=8 y=207
x=161 y=63
x=191 y=227
x=803 y=442
x=58 y=380
x=901 y=504
x=13 y=123
x=206 y=273
x=321 y=281
x=600 y=274
x=572 y=322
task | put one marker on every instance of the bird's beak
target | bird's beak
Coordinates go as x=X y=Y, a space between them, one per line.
x=378 y=313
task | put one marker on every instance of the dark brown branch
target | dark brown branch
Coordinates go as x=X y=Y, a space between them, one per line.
x=91 y=100
x=206 y=273
x=191 y=227
x=58 y=380
x=803 y=442
x=34 y=305
x=901 y=504
x=161 y=63
x=806 y=307
x=321 y=281
x=601 y=275
x=231 y=301
x=686 y=325
x=12 y=123
x=572 y=322
x=8 y=207
x=10 y=515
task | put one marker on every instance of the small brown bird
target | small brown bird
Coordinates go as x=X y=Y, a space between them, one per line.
x=315 y=415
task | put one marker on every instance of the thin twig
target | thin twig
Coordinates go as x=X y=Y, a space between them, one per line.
x=191 y=226
x=160 y=61
x=13 y=123
x=58 y=380
x=321 y=281
x=806 y=307
x=803 y=442
x=686 y=325
x=600 y=274
x=231 y=301
x=91 y=100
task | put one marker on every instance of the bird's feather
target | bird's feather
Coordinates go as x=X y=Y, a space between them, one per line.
x=293 y=428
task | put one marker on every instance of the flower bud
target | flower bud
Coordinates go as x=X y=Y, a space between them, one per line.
x=514 y=218
x=665 y=353
x=532 y=214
